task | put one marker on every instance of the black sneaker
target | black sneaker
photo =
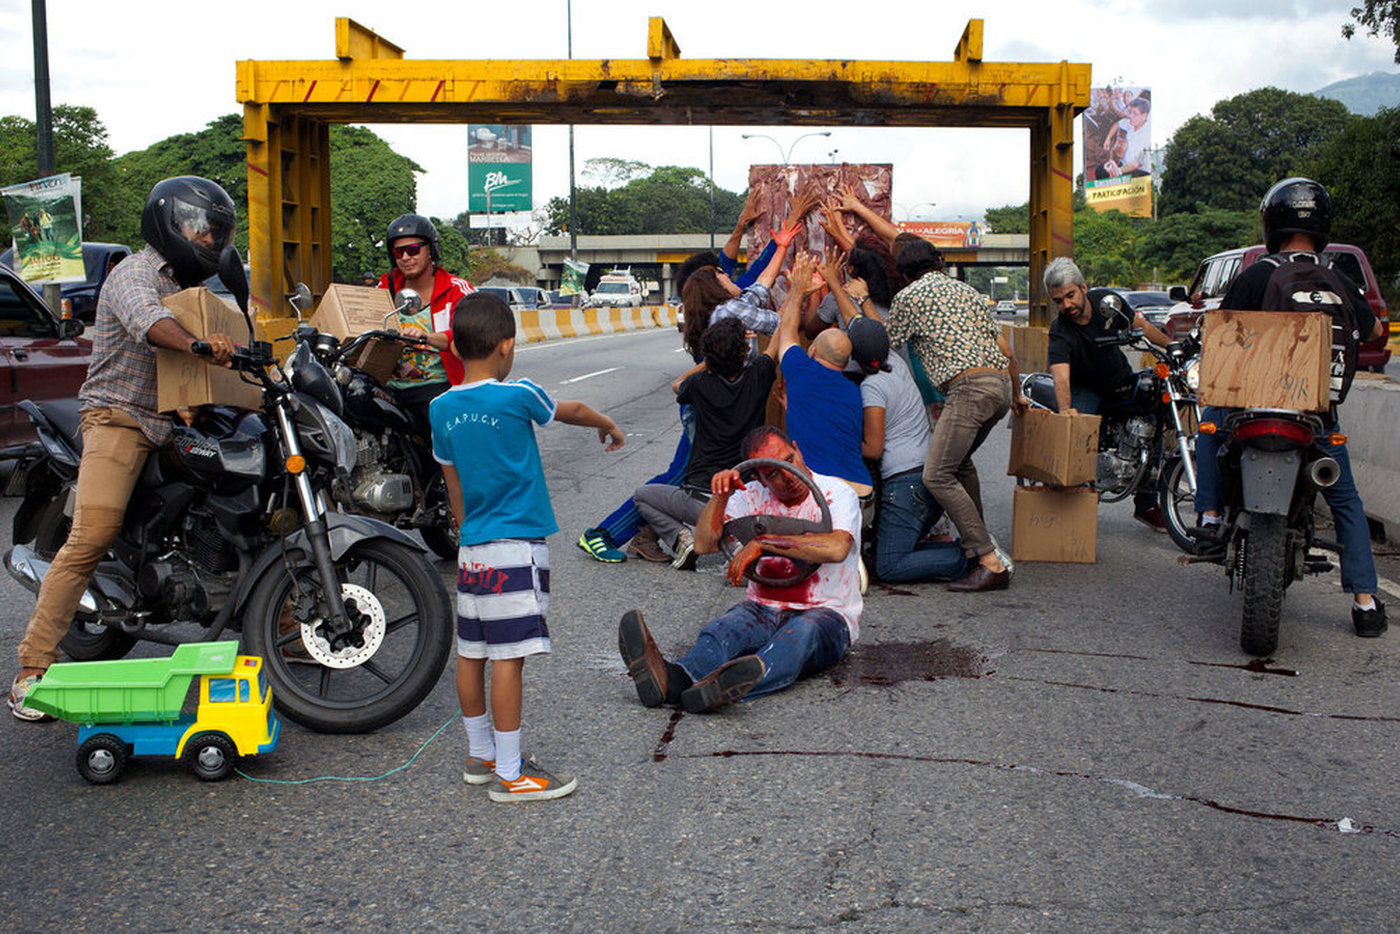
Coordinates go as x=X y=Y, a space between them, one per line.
x=725 y=685
x=1369 y=623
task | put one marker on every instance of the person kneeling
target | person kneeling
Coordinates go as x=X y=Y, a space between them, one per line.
x=777 y=634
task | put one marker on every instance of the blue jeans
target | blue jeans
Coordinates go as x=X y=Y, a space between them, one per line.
x=792 y=643
x=1358 y=565
x=907 y=512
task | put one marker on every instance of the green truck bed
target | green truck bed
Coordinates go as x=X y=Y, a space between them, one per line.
x=129 y=690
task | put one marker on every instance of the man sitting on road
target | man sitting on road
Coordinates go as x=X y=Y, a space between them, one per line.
x=1089 y=377
x=777 y=634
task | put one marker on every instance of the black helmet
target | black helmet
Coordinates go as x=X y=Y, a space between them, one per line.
x=1296 y=205
x=412 y=225
x=180 y=209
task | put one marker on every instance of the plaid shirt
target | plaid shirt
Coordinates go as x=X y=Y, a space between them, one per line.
x=123 y=370
x=947 y=325
x=752 y=308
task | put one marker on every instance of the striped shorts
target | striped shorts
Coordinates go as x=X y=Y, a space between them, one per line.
x=502 y=596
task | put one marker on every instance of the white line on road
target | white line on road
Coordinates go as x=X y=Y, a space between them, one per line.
x=1389 y=587
x=579 y=379
x=569 y=341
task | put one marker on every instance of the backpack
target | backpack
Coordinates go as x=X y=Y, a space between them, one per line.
x=1307 y=282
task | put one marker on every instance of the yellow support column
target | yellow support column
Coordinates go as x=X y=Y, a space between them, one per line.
x=1052 y=197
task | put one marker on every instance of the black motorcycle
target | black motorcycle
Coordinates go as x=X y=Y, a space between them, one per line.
x=229 y=528
x=1145 y=437
x=1271 y=469
x=396 y=478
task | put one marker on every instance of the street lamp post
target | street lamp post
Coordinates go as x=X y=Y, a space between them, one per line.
x=786 y=153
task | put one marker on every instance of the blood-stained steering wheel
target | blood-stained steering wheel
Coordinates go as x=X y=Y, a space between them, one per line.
x=744 y=529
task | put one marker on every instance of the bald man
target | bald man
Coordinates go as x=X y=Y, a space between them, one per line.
x=824 y=414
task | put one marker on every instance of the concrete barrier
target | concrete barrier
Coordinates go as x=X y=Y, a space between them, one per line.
x=1371 y=420
x=555 y=323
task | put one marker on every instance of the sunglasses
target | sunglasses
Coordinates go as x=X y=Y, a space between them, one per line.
x=408 y=249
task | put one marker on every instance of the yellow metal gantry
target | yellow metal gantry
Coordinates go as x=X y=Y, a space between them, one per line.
x=288 y=108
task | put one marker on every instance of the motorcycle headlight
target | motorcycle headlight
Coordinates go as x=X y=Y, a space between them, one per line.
x=324 y=435
x=1193 y=375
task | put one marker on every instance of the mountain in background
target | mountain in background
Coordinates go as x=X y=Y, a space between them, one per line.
x=1366 y=94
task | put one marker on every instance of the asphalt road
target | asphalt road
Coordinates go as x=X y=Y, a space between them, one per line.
x=1088 y=750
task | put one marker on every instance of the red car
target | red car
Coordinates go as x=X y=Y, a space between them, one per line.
x=41 y=356
x=1215 y=274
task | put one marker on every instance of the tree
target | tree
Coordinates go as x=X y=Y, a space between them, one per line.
x=1378 y=16
x=370 y=186
x=1361 y=169
x=670 y=199
x=79 y=147
x=1229 y=159
x=1175 y=244
x=1011 y=219
x=609 y=172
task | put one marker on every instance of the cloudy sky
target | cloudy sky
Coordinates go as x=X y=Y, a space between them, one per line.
x=153 y=68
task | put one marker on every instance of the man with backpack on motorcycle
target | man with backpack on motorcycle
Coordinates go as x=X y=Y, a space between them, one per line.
x=1297 y=217
x=187 y=221
x=414 y=252
x=1090 y=376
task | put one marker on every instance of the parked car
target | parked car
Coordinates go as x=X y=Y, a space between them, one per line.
x=1153 y=305
x=1215 y=274
x=1006 y=307
x=518 y=297
x=615 y=290
x=80 y=298
x=42 y=357
x=558 y=299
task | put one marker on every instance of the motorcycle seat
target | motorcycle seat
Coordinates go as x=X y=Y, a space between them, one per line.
x=63 y=414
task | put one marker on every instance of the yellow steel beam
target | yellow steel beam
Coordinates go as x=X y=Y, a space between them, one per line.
x=288 y=106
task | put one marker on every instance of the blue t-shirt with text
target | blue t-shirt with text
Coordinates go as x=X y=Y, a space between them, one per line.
x=486 y=431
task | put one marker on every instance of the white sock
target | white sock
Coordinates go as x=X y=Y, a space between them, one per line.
x=479 y=741
x=508 y=755
x=1210 y=520
x=1370 y=604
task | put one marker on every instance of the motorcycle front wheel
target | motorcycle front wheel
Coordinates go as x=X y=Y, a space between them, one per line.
x=1177 y=502
x=1265 y=575
x=403 y=627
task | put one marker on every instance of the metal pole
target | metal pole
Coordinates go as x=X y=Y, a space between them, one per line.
x=43 y=124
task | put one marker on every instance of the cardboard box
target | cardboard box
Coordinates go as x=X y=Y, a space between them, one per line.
x=1266 y=359
x=184 y=380
x=1061 y=450
x=377 y=358
x=1050 y=524
x=348 y=310
x=1030 y=345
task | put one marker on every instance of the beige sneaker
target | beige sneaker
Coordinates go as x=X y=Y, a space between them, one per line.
x=18 y=690
x=685 y=551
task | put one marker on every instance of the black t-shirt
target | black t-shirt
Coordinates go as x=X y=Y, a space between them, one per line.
x=1102 y=369
x=1246 y=293
x=724 y=413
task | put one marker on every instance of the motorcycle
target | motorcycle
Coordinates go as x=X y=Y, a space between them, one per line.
x=1271 y=470
x=228 y=528
x=1146 y=439
x=396 y=479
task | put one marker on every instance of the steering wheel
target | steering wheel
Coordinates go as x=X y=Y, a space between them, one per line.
x=745 y=529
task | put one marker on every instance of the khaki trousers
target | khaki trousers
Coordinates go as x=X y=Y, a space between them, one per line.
x=114 y=452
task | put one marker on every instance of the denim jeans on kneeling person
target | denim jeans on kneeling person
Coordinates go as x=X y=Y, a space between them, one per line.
x=907 y=512
x=792 y=643
x=1358 y=564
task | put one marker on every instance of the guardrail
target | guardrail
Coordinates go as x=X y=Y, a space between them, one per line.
x=1371 y=420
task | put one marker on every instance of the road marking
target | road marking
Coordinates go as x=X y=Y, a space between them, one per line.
x=579 y=379
x=568 y=341
x=1389 y=587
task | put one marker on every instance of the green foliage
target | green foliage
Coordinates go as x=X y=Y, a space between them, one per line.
x=1361 y=169
x=1176 y=244
x=1010 y=219
x=670 y=199
x=1229 y=159
x=370 y=186
x=1380 y=17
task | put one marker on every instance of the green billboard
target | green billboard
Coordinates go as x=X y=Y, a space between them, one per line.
x=498 y=168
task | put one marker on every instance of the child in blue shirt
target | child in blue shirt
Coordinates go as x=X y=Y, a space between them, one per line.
x=483 y=429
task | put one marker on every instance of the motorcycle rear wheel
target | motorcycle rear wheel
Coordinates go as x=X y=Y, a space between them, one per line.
x=407 y=653
x=1265 y=577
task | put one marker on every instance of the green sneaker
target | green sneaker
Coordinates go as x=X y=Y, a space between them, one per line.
x=598 y=543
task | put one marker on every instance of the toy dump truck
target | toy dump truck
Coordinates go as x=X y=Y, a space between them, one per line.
x=137 y=707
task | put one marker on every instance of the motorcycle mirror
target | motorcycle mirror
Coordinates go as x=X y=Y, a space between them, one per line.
x=1115 y=313
x=407 y=301
x=300 y=299
x=231 y=274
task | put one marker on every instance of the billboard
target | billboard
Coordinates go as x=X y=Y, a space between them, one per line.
x=946 y=235
x=46 y=228
x=1118 y=150
x=498 y=168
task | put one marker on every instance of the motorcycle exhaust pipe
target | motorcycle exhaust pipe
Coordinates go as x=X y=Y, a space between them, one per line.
x=29 y=569
x=1324 y=472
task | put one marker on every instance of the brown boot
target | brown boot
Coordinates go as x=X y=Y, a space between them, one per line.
x=645 y=546
x=643 y=659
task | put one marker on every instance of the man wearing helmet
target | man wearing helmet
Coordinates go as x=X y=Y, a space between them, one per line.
x=1297 y=217
x=413 y=247
x=187 y=222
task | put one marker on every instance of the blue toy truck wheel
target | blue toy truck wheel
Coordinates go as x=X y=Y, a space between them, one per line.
x=102 y=759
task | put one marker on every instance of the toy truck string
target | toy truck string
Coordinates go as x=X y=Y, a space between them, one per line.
x=133 y=707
